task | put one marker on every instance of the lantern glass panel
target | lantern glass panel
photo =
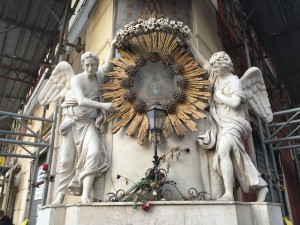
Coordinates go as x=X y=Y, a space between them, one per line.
x=156 y=116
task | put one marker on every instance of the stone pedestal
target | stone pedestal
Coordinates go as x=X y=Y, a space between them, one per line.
x=163 y=212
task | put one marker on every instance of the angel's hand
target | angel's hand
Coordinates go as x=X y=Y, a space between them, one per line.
x=114 y=41
x=218 y=96
x=189 y=40
x=108 y=106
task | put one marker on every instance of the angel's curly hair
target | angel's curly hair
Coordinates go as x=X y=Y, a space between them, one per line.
x=87 y=55
x=221 y=59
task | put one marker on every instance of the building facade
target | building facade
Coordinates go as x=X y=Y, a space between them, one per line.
x=216 y=25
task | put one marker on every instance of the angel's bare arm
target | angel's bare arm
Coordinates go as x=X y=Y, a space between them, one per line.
x=198 y=57
x=77 y=90
x=108 y=65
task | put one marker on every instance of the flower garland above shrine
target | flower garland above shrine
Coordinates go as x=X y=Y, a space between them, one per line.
x=155 y=66
x=141 y=27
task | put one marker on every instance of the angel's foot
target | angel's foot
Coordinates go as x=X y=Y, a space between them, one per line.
x=85 y=199
x=261 y=194
x=59 y=199
x=226 y=197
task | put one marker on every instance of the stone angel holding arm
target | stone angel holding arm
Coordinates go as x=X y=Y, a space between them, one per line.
x=228 y=125
x=83 y=158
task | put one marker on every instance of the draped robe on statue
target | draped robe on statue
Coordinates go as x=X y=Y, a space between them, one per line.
x=82 y=152
x=231 y=123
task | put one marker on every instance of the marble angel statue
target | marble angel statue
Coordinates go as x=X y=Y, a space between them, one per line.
x=83 y=158
x=228 y=125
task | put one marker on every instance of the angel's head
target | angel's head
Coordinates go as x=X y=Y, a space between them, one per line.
x=221 y=62
x=90 y=63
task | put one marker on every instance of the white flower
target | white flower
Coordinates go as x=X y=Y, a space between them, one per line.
x=151 y=27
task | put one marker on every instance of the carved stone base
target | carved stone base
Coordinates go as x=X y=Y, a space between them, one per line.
x=163 y=212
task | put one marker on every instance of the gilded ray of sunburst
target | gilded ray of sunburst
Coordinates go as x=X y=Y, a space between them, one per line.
x=187 y=104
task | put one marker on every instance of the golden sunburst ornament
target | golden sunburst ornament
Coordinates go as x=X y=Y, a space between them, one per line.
x=155 y=66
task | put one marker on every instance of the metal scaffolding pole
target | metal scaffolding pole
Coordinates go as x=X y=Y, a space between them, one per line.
x=25 y=116
x=50 y=154
x=284 y=124
x=279 y=113
x=290 y=140
x=17 y=155
x=31 y=186
x=16 y=133
x=18 y=142
x=271 y=141
x=296 y=164
x=41 y=144
x=264 y=148
x=276 y=175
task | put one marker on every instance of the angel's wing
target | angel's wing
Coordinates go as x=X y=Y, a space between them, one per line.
x=255 y=89
x=58 y=84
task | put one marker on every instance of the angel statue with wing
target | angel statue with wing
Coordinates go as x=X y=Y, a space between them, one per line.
x=83 y=157
x=228 y=127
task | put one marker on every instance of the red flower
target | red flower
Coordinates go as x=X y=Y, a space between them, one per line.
x=146 y=206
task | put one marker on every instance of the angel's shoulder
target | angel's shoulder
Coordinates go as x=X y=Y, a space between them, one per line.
x=234 y=79
x=78 y=79
x=234 y=82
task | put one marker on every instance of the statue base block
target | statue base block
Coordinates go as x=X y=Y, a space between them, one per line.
x=163 y=212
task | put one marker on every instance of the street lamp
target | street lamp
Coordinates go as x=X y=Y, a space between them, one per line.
x=156 y=117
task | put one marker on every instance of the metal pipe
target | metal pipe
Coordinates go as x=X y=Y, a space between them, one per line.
x=29 y=152
x=55 y=151
x=246 y=45
x=2 y=190
x=63 y=31
x=16 y=133
x=276 y=175
x=50 y=153
x=262 y=137
x=243 y=26
x=28 y=128
x=16 y=155
x=31 y=187
x=156 y=164
x=269 y=141
x=7 y=190
x=53 y=14
x=290 y=134
x=4 y=180
x=18 y=142
x=296 y=165
x=286 y=111
x=280 y=128
x=279 y=124
x=25 y=116
x=285 y=147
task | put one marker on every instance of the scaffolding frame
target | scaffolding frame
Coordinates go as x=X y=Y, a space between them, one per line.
x=35 y=154
x=288 y=128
